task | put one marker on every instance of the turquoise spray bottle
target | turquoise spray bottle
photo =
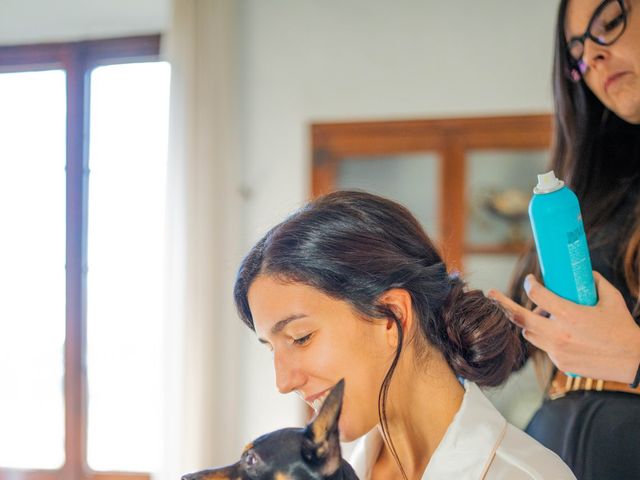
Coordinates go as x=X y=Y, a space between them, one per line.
x=560 y=240
x=561 y=243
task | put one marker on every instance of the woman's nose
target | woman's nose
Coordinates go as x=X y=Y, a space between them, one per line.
x=288 y=375
x=593 y=53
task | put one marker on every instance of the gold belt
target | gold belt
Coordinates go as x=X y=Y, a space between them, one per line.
x=563 y=384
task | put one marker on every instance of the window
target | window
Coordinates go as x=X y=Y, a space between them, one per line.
x=82 y=181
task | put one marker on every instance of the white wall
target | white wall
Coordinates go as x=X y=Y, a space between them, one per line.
x=316 y=60
x=302 y=61
x=40 y=21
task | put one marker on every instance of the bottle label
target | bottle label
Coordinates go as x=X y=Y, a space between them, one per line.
x=581 y=266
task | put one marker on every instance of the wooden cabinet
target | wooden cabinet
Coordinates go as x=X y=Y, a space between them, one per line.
x=466 y=179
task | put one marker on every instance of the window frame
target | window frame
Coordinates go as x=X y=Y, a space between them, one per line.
x=77 y=59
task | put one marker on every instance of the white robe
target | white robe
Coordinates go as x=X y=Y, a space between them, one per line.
x=479 y=444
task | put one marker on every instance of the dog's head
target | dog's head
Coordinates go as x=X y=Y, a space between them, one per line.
x=310 y=453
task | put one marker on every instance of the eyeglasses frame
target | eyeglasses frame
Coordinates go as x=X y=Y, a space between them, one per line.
x=577 y=67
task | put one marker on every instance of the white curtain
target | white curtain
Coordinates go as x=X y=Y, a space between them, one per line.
x=204 y=207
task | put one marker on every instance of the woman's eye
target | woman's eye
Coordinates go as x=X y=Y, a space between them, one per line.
x=613 y=23
x=302 y=340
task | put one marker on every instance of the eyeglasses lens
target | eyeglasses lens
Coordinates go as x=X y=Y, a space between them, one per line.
x=609 y=24
x=605 y=28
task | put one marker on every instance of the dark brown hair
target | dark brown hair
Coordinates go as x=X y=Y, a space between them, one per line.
x=597 y=154
x=355 y=246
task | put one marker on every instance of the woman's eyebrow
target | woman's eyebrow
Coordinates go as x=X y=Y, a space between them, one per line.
x=278 y=327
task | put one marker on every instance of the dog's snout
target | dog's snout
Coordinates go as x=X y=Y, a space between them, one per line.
x=215 y=474
x=196 y=476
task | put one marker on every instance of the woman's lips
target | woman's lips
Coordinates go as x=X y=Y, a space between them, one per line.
x=311 y=398
x=315 y=401
x=611 y=79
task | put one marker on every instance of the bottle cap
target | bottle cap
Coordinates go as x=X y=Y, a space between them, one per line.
x=547 y=183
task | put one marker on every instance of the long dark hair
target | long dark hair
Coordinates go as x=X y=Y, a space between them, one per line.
x=355 y=246
x=598 y=156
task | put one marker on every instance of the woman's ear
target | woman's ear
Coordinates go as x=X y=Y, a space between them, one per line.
x=399 y=302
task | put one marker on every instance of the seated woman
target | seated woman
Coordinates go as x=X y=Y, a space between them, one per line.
x=351 y=287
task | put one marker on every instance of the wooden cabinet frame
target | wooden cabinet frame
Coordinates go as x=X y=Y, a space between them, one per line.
x=450 y=139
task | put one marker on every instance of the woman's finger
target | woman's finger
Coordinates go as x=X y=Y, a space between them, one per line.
x=545 y=298
x=606 y=290
x=522 y=317
x=542 y=312
x=505 y=301
x=543 y=341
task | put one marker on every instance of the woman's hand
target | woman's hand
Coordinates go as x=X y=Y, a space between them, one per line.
x=602 y=341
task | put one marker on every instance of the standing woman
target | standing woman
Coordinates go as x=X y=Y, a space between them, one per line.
x=593 y=422
x=351 y=287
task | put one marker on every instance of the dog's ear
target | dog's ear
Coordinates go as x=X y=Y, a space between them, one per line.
x=322 y=442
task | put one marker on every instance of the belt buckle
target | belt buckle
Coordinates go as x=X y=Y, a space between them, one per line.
x=557 y=395
x=560 y=392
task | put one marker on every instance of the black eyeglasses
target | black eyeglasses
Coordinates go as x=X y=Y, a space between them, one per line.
x=606 y=26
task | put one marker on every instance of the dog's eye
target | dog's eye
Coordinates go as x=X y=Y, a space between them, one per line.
x=250 y=459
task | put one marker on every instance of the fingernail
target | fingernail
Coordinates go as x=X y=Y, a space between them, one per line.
x=527 y=283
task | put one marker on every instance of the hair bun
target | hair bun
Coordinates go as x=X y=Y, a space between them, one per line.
x=481 y=345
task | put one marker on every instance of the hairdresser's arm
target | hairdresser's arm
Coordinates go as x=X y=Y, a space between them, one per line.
x=602 y=341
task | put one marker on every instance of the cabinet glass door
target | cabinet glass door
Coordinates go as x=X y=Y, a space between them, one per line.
x=410 y=179
x=498 y=188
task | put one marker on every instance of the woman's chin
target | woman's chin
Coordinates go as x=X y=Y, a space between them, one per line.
x=631 y=116
x=346 y=438
x=349 y=432
x=628 y=108
x=634 y=119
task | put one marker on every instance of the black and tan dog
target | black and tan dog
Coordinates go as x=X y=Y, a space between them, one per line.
x=310 y=453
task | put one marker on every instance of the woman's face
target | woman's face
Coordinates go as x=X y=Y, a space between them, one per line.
x=317 y=340
x=613 y=73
